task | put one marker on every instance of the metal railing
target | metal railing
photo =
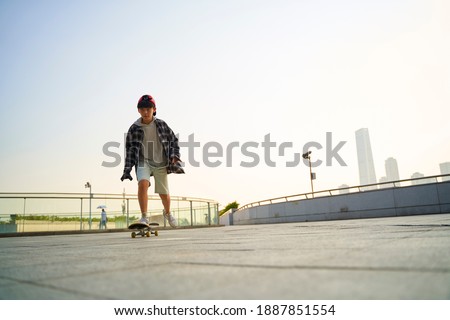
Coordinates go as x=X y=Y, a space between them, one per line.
x=35 y=212
x=353 y=189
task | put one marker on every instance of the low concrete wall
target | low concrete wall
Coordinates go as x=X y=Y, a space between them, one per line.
x=414 y=200
x=227 y=218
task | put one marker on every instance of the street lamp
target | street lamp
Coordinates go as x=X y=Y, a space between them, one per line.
x=88 y=185
x=312 y=175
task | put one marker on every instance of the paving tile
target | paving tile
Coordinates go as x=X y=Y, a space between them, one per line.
x=383 y=258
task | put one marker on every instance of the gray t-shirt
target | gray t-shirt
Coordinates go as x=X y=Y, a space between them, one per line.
x=152 y=150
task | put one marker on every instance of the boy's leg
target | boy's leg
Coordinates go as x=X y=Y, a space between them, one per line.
x=162 y=188
x=143 y=176
x=143 y=195
x=165 y=199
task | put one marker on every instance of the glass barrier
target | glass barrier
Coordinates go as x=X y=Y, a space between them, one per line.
x=64 y=212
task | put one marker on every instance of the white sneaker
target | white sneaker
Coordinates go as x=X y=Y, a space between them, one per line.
x=143 y=220
x=170 y=218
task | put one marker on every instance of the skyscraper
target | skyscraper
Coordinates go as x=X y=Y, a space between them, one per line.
x=391 y=169
x=365 y=158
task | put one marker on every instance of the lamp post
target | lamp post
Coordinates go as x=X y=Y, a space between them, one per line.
x=88 y=185
x=312 y=175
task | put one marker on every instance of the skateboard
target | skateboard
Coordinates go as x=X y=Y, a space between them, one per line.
x=143 y=229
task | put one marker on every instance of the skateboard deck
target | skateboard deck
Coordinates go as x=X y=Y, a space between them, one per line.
x=143 y=229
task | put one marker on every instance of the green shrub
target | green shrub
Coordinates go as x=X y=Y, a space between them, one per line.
x=231 y=205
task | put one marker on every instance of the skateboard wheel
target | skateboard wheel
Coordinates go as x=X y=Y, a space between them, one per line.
x=156 y=233
x=147 y=234
x=133 y=235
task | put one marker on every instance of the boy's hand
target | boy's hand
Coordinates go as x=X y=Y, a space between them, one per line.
x=175 y=160
x=126 y=175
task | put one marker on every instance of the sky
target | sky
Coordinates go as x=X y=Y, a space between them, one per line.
x=232 y=75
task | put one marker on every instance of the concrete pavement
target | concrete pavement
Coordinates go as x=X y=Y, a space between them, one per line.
x=384 y=258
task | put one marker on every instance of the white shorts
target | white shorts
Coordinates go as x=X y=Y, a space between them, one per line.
x=144 y=171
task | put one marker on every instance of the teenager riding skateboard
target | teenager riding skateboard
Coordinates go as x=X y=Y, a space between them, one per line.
x=152 y=148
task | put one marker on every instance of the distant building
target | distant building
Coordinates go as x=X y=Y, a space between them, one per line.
x=416 y=175
x=343 y=189
x=391 y=169
x=445 y=169
x=365 y=158
x=384 y=180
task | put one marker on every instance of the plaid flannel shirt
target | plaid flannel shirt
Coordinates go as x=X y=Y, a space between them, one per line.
x=135 y=139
